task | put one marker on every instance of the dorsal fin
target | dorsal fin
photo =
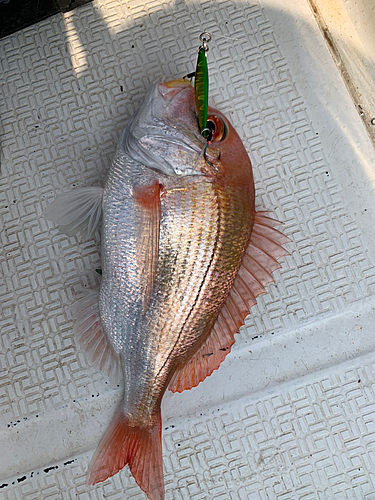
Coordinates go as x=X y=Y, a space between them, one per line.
x=259 y=262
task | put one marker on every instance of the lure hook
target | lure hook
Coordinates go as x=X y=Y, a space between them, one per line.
x=204 y=154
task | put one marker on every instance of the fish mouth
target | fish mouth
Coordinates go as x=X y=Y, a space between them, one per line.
x=172 y=88
x=163 y=134
x=180 y=112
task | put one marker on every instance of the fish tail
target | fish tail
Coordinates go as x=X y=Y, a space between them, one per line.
x=140 y=447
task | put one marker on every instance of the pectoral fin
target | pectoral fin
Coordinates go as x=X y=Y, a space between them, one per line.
x=259 y=262
x=76 y=211
x=147 y=249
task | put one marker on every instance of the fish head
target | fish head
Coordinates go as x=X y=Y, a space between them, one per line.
x=164 y=135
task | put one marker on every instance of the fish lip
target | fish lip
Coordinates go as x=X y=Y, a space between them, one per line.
x=175 y=83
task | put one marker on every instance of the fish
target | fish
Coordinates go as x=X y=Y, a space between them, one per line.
x=184 y=257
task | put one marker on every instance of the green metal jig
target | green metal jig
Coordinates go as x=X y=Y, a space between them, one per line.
x=201 y=84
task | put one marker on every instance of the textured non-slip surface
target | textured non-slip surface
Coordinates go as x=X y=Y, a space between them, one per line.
x=314 y=440
x=70 y=84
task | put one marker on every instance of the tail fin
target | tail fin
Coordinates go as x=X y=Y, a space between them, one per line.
x=139 y=447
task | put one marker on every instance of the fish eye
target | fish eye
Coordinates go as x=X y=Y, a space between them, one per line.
x=217 y=127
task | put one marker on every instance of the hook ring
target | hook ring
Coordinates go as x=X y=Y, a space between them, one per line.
x=205 y=38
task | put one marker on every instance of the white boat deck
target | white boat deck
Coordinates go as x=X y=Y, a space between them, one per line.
x=290 y=413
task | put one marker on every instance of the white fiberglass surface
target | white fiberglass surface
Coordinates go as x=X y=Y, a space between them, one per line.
x=289 y=414
x=349 y=25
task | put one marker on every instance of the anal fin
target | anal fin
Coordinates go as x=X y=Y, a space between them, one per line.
x=89 y=331
x=258 y=264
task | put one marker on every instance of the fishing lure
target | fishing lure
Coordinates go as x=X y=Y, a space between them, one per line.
x=201 y=85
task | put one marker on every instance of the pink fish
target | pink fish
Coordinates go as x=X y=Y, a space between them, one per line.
x=184 y=256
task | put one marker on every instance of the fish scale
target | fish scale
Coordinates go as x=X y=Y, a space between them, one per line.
x=170 y=307
x=194 y=253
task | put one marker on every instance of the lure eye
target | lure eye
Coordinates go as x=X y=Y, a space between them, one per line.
x=217 y=127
